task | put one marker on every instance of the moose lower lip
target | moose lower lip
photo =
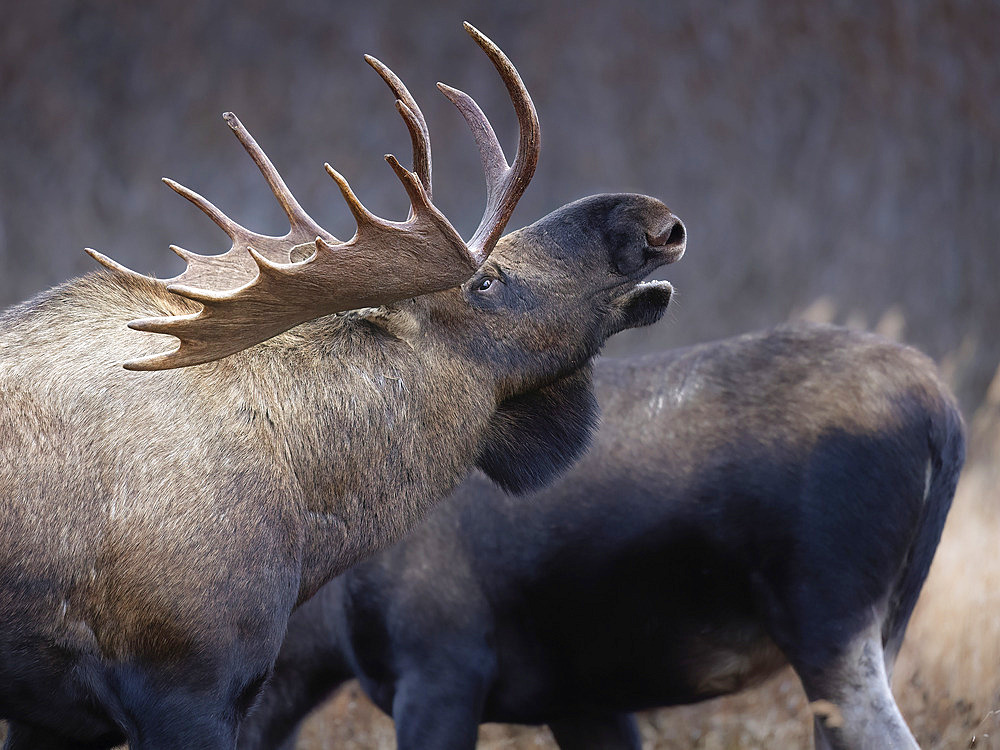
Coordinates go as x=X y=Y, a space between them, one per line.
x=650 y=284
x=630 y=286
x=656 y=284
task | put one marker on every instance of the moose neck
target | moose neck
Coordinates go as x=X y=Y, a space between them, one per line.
x=376 y=385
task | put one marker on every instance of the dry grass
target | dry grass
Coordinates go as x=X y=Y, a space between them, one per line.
x=948 y=677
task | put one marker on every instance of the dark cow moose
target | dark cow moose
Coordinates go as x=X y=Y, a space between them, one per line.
x=770 y=499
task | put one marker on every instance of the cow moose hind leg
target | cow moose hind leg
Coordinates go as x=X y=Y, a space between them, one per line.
x=608 y=732
x=852 y=702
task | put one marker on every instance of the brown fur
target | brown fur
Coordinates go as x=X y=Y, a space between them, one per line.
x=157 y=528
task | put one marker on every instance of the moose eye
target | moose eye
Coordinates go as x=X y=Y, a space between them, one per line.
x=484 y=284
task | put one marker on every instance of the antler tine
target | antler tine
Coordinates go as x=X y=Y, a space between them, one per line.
x=222 y=221
x=297 y=217
x=491 y=154
x=415 y=122
x=504 y=183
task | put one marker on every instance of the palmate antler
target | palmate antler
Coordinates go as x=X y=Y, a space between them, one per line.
x=256 y=290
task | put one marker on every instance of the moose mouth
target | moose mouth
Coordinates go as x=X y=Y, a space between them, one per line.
x=664 y=245
x=636 y=282
x=646 y=301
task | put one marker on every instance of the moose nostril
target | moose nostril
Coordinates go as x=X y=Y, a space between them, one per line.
x=671 y=236
x=677 y=235
x=669 y=242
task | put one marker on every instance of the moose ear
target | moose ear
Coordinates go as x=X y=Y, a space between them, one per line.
x=536 y=436
x=643 y=306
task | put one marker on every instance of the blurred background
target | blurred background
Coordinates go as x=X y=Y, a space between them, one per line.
x=836 y=161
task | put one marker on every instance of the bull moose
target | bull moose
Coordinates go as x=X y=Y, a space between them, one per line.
x=161 y=521
x=770 y=499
